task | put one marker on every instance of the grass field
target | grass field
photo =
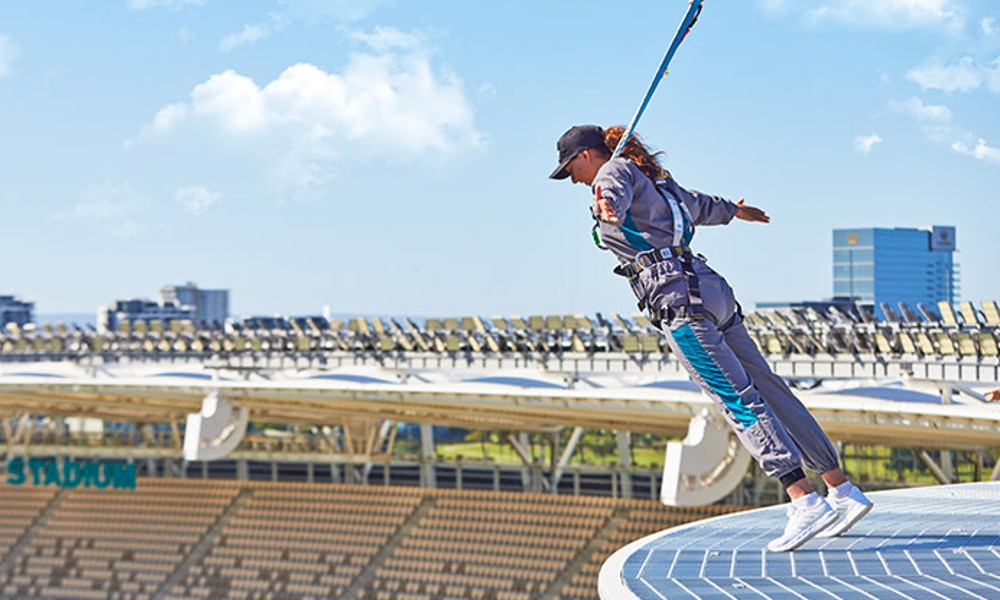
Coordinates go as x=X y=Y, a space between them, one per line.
x=872 y=464
x=504 y=454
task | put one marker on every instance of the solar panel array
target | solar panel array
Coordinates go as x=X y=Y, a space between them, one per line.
x=938 y=542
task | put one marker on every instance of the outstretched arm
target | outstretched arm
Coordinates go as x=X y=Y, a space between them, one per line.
x=751 y=213
x=994 y=395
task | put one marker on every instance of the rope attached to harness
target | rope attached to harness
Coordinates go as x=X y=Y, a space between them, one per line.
x=694 y=10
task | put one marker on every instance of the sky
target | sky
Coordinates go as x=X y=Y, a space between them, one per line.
x=392 y=156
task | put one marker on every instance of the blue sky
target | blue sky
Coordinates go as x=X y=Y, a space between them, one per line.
x=391 y=157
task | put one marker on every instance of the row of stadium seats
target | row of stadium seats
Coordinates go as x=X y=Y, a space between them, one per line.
x=178 y=538
x=944 y=332
x=112 y=544
x=784 y=332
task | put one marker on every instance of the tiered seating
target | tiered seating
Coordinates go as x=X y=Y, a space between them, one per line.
x=280 y=541
x=968 y=333
x=641 y=518
x=300 y=540
x=20 y=506
x=112 y=544
x=935 y=333
x=489 y=545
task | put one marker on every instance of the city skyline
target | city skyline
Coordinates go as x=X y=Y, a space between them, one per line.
x=389 y=157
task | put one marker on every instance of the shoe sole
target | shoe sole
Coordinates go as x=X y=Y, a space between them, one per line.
x=807 y=535
x=849 y=520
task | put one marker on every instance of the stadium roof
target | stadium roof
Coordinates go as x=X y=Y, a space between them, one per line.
x=512 y=400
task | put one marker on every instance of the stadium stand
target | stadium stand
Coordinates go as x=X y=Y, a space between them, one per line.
x=211 y=538
x=968 y=331
x=178 y=539
x=19 y=508
x=92 y=543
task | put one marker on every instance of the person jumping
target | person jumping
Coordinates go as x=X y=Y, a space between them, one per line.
x=647 y=220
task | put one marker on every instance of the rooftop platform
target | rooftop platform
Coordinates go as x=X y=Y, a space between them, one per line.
x=939 y=542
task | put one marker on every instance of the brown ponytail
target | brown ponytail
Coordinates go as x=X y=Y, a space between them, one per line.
x=635 y=151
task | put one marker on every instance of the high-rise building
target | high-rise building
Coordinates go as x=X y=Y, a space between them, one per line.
x=13 y=310
x=210 y=306
x=876 y=265
x=131 y=311
x=177 y=303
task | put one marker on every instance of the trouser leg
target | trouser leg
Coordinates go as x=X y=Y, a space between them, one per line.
x=703 y=351
x=815 y=447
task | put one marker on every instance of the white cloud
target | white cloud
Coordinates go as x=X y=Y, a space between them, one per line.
x=964 y=75
x=9 y=52
x=865 y=143
x=389 y=103
x=115 y=209
x=927 y=113
x=291 y=11
x=935 y=120
x=988 y=27
x=196 y=199
x=981 y=151
x=960 y=76
x=891 y=14
x=993 y=77
x=936 y=124
x=251 y=34
x=228 y=99
x=337 y=10
x=168 y=4
x=384 y=39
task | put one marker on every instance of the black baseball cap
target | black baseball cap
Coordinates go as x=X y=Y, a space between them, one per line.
x=573 y=142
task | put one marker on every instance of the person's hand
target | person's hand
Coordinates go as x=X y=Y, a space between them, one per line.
x=994 y=395
x=604 y=210
x=753 y=214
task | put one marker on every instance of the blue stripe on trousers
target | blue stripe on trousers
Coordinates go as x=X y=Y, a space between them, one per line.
x=712 y=375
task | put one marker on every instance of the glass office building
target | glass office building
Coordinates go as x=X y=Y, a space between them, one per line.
x=875 y=265
x=210 y=306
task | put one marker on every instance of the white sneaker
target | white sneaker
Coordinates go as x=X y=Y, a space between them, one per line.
x=803 y=524
x=850 y=509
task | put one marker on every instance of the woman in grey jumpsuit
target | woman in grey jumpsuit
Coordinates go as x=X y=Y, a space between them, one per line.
x=647 y=220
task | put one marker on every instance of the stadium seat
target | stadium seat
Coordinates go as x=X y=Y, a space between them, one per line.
x=991 y=313
x=906 y=344
x=987 y=344
x=948 y=317
x=925 y=344
x=945 y=345
x=965 y=344
x=970 y=317
x=882 y=343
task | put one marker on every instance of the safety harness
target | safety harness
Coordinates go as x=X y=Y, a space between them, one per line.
x=684 y=231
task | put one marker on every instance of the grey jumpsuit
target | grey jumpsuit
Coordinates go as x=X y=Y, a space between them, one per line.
x=695 y=305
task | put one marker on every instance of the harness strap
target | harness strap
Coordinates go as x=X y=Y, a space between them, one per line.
x=683 y=223
x=630 y=270
x=644 y=260
x=695 y=304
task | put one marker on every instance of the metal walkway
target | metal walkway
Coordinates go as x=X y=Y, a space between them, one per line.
x=939 y=542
